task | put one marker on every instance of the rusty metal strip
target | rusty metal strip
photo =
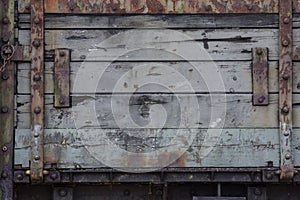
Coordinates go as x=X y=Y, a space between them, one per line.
x=155 y=6
x=37 y=90
x=285 y=89
x=7 y=101
x=62 y=78
x=22 y=53
x=260 y=76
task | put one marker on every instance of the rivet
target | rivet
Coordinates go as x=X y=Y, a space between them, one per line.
x=250 y=7
x=53 y=176
x=286 y=20
x=4 y=109
x=62 y=101
x=36 y=157
x=5 y=20
x=37 y=110
x=158 y=193
x=62 y=192
x=207 y=8
x=269 y=176
x=285 y=109
x=5 y=76
x=259 y=51
x=4 y=148
x=37 y=77
x=285 y=76
x=45 y=172
x=286 y=133
x=4 y=175
x=5 y=39
x=261 y=99
x=20 y=177
x=36 y=134
x=285 y=43
x=36 y=20
x=36 y=43
x=288 y=156
x=257 y=191
x=62 y=53
x=27 y=172
x=27 y=7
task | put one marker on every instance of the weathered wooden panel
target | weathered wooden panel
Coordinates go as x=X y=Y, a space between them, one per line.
x=155 y=21
x=155 y=44
x=236 y=76
x=239 y=147
x=155 y=6
x=239 y=110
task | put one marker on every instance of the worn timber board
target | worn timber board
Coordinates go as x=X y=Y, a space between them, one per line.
x=238 y=147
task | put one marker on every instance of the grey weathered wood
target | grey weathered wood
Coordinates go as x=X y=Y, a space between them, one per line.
x=234 y=148
x=236 y=76
x=154 y=21
x=239 y=110
x=221 y=44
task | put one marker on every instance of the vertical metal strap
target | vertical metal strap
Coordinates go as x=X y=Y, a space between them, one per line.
x=285 y=89
x=37 y=90
x=7 y=103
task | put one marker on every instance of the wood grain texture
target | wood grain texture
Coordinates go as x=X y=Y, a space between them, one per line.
x=141 y=44
x=236 y=76
x=239 y=108
x=234 y=147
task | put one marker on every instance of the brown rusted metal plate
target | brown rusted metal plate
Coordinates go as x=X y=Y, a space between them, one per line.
x=156 y=6
x=285 y=88
x=22 y=53
x=62 y=78
x=260 y=76
x=37 y=90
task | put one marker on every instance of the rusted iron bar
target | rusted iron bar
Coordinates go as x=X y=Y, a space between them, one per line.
x=62 y=78
x=285 y=88
x=37 y=90
x=260 y=76
x=155 y=6
x=7 y=100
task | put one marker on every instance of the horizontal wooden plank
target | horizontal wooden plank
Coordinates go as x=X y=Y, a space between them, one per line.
x=235 y=75
x=151 y=109
x=69 y=148
x=154 y=44
x=155 y=21
x=155 y=6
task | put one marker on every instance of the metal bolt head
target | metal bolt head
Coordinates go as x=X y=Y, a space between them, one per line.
x=285 y=109
x=208 y=8
x=285 y=76
x=4 y=148
x=20 y=177
x=4 y=109
x=27 y=7
x=62 y=53
x=37 y=77
x=62 y=192
x=286 y=20
x=53 y=175
x=36 y=134
x=5 y=76
x=5 y=39
x=5 y=20
x=269 y=176
x=4 y=174
x=250 y=7
x=36 y=20
x=62 y=101
x=36 y=43
x=257 y=191
x=285 y=43
x=36 y=157
x=288 y=156
x=45 y=172
x=261 y=99
x=37 y=110
x=259 y=51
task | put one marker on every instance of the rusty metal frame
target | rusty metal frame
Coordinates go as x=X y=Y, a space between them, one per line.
x=260 y=77
x=62 y=78
x=285 y=88
x=7 y=104
x=37 y=91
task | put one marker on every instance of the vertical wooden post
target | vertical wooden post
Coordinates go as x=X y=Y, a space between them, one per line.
x=37 y=91
x=7 y=100
x=285 y=89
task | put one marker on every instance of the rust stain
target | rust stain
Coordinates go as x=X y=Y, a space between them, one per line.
x=51 y=5
x=154 y=6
